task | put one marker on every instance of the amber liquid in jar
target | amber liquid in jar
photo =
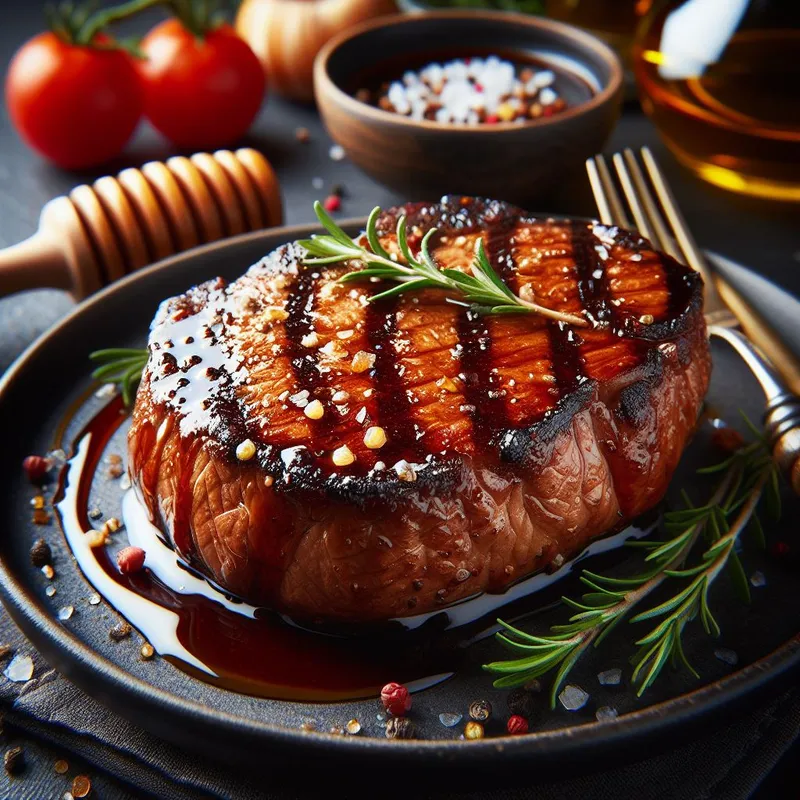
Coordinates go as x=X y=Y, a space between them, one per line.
x=735 y=122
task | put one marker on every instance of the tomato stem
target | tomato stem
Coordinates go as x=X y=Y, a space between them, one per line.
x=102 y=19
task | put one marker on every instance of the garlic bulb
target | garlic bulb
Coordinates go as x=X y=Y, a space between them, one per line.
x=286 y=35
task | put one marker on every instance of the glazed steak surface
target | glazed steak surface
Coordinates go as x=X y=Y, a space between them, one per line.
x=511 y=441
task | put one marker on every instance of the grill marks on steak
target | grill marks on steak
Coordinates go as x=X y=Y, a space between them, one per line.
x=528 y=437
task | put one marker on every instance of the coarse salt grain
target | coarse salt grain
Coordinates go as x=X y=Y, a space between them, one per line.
x=362 y=361
x=314 y=410
x=245 y=450
x=573 y=698
x=343 y=456
x=375 y=437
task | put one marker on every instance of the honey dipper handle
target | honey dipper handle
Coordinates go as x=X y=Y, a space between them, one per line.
x=32 y=264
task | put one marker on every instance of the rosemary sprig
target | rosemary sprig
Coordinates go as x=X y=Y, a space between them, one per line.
x=748 y=474
x=122 y=366
x=482 y=288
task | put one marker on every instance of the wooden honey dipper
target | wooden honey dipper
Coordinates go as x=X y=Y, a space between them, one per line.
x=99 y=233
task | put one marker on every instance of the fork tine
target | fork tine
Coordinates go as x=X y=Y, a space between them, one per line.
x=639 y=216
x=664 y=241
x=606 y=197
x=685 y=239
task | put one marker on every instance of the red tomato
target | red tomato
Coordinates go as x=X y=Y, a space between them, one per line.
x=76 y=105
x=201 y=93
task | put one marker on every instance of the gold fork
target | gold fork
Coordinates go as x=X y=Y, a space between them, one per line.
x=726 y=310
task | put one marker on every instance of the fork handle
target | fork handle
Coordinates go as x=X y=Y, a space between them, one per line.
x=782 y=414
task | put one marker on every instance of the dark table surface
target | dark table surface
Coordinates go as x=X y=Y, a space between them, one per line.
x=758 y=233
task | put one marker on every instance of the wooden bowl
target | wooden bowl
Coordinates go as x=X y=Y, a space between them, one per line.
x=513 y=161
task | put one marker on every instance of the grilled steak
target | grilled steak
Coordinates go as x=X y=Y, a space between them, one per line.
x=510 y=441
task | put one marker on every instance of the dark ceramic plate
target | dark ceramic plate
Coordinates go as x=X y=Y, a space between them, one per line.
x=46 y=382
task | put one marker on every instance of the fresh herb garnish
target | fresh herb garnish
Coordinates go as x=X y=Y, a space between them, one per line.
x=483 y=288
x=749 y=475
x=122 y=366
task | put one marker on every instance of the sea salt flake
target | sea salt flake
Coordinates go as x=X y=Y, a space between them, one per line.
x=95 y=513
x=758 y=580
x=317 y=183
x=336 y=152
x=606 y=714
x=610 y=677
x=450 y=719
x=727 y=656
x=573 y=698
x=57 y=457
x=125 y=482
x=65 y=612
x=19 y=669
x=94 y=599
x=50 y=590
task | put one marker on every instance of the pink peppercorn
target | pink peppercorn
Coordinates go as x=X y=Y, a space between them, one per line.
x=130 y=560
x=492 y=119
x=36 y=468
x=517 y=725
x=396 y=699
x=332 y=203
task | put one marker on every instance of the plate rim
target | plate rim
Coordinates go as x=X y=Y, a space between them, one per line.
x=58 y=644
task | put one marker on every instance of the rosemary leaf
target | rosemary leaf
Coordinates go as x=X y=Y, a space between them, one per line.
x=481 y=288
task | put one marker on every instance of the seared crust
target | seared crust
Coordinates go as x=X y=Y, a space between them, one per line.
x=524 y=438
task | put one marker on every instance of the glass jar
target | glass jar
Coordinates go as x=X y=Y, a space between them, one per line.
x=721 y=81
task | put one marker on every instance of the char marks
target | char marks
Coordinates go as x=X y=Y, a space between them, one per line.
x=484 y=395
x=591 y=273
x=393 y=403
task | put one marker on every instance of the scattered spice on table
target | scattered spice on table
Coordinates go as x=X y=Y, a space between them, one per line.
x=471 y=91
x=14 y=760
x=400 y=728
x=41 y=553
x=36 y=468
x=303 y=135
x=147 y=651
x=473 y=730
x=122 y=630
x=517 y=725
x=81 y=786
x=480 y=710
x=61 y=766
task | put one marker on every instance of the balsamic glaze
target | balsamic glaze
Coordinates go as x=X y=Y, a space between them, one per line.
x=213 y=636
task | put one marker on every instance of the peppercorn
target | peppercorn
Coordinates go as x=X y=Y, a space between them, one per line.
x=120 y=631
x=130 y=560
x=480 y=710
x=41 y=555
x=14 y=760
x=337 y=190
x=400 y=728
x=36 y=469
x=473 y=730
x=396 y=699
x=521 y=702
x=517 y=725
x=332 y=203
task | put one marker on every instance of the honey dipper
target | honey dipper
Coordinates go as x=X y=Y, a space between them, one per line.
x=99 y=233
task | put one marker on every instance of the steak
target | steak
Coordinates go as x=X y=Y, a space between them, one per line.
x=511 y=442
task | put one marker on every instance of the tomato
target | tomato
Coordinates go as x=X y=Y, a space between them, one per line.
x=200 y=92
x=76 y=105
